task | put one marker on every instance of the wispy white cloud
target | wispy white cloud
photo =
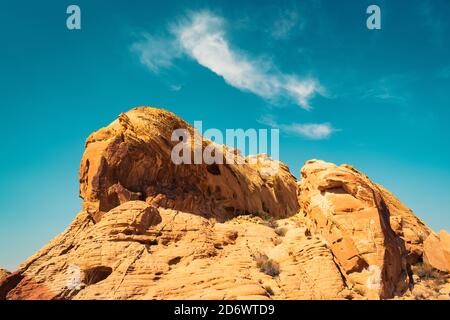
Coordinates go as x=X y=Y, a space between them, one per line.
x=315 y=131
x=201 y=36
x=285 y=23
x=383 y=93
x=312 y=131
x=156 y=53
x=176 y=87
x=389 y=89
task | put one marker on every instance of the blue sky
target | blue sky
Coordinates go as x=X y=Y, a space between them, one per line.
x=377 y=99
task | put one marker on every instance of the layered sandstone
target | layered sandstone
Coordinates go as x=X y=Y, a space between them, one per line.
x=152 y=229
x=140 y=252
x=357 y=216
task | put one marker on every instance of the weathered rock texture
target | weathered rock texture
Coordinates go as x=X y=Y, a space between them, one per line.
x=437 y=251
x=150 y=229
x=140 y=252
x=354 y=215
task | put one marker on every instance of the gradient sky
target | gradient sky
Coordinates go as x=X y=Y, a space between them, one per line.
x=381 y=99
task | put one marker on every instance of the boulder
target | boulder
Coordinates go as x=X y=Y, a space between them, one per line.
x=437 y=251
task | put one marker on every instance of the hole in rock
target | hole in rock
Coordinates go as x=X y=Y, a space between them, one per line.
x=127 y=232
x=213 y=169
x=97 y=274
x=174 y=261
x=336 y=190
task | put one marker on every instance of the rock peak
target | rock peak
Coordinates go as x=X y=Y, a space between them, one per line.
x=131 y=160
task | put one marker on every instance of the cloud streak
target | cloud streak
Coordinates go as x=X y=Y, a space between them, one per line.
x=311 y=131
x=156 y=53
x=201 y=36
x=287 y=21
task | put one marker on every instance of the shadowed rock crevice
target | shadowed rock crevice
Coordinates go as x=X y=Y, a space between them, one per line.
x=9 y=282
x=96 y=274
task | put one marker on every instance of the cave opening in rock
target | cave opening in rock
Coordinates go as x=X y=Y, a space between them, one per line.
x=96 y=274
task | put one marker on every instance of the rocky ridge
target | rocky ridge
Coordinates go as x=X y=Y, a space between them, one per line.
x=150 y=229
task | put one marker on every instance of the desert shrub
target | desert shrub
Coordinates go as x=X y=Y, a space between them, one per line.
x=264 y=215
x=232 y=235
x=260 y=258
x=268 y=219
x=281 y=231
x=272 y=224
x=270 y=267
x=267 y=266
x=425 y=271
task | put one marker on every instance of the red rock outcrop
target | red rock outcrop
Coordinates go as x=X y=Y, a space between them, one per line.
x=152 y=229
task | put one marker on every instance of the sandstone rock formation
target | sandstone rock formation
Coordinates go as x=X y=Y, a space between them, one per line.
x=437 y=251
x=131 y=160
x=354 y=215
x=140 y=252
x=151 y=229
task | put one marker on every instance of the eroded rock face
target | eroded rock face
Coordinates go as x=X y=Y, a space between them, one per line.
x=354 y=215
x=437 y=251
x=131 y=160
x=151 y=229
